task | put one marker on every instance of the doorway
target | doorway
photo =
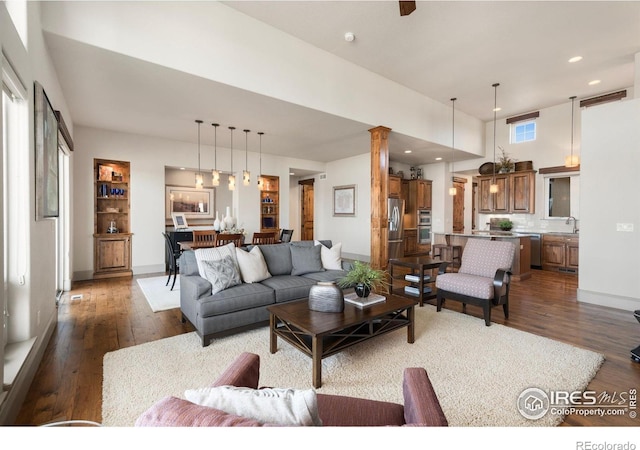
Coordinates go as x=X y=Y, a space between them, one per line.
x=306 y=209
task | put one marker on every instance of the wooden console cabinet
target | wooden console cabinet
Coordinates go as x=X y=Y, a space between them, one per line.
x=112 y=224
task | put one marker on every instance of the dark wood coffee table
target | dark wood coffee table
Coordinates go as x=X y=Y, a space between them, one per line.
x=321 y=334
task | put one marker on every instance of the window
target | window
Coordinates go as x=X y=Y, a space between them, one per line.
x=523 y=132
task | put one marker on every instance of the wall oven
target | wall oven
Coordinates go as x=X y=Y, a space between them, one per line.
x=424 y=226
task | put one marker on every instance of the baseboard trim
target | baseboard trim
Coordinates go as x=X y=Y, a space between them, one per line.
x=609 y=300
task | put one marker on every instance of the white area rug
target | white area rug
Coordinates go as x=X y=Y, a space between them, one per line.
x=478 y=372
x=159 y=296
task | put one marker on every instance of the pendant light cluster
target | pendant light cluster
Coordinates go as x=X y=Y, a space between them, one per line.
x=493 y=188
x=452 y=189
x=572 y=161
x=215 y=173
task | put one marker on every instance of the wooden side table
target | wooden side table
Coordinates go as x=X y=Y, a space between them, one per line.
x=419 y=266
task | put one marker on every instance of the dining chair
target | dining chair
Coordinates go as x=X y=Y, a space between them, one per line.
x=286 y=235
x=264 y=238
x=204 y=238
x=174 y=258
x=225 y=238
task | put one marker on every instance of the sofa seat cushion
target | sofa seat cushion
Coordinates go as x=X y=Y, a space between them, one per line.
x=465 y=284
x=237 y=298
x=327 y=275
x=289 y=287
x=337 y=410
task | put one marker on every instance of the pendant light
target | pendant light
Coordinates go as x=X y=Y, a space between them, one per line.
x=572 y=161
x=246 y=175
x=215 y=173
x=260 y=179
x=452 y=189
x=199 y=175
x=232 y=178
x=493 y=188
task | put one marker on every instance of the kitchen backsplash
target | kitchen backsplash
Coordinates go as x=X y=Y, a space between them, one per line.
x=528 y=222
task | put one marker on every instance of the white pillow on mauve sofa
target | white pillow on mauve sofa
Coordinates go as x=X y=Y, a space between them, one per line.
x=331 y=257
x=253 y=267
x=289 y=407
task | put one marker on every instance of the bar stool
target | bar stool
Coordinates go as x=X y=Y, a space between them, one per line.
x=448 y=252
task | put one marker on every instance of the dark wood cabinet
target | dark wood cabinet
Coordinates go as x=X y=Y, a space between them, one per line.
x=418 y=197
x=395 y=186
x=516 y=193
x=560 y=253
x=410 y=242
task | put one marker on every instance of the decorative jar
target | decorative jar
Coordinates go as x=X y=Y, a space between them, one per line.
x=326 y=296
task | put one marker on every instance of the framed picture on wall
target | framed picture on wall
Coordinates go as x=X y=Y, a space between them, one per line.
x=344 y=200
x=46 y=143
x=193 y=203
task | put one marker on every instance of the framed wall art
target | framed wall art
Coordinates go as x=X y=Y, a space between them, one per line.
x=46 y=145
x=194 y=203
x=344 y=200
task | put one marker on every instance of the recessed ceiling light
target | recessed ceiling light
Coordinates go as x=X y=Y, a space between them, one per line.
x=349 y=36
x=594 y=82
x=292 y=173
x=497 y=109
x=439 y=158
x=575 y=59
x=181 y=168
x=407 y=151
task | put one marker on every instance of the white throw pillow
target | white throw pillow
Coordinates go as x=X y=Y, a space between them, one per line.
x=214 y=254
x=289 y=407
x=331 y=257
x=253 y=267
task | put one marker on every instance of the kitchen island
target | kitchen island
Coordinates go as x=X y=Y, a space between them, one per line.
x=521 y=269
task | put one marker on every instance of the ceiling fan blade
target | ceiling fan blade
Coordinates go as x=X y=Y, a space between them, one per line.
x=407 y=7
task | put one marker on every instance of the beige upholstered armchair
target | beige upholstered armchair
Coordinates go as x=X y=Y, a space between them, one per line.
x=483 y=278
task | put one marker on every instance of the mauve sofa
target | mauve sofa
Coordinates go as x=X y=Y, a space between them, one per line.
x=244 y=306
x=421 y=405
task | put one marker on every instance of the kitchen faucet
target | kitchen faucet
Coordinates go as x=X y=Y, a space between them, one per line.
x=575 y=225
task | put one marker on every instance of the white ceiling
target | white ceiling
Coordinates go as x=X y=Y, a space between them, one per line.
x=442 y=50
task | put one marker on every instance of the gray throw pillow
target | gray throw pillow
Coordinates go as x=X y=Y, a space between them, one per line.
x=306 y=259
x=221 y=273
x=278 y=258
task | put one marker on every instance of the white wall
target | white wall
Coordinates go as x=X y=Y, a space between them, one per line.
x=609 y=259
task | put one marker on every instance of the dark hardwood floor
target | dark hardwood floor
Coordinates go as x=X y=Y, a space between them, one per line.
x=114 y=314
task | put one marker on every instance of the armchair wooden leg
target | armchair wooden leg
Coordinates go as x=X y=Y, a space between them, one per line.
x=439 y=302
x=505 y=308
x=487 y=313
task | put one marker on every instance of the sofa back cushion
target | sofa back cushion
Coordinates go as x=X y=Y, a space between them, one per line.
x=278 y=258
x=483 y=257
x=306 y=259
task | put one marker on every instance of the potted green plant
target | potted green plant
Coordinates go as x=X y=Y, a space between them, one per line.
x=505 y=225
x=364 y=278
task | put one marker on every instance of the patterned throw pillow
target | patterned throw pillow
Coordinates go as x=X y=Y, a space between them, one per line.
x=214 y=254
x=222 y=273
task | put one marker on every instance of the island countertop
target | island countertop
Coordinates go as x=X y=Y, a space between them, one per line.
x=521 y=268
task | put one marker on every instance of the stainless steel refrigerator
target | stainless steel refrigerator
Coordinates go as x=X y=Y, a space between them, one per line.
x=395 y=208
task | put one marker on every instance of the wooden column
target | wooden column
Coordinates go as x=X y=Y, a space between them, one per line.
x=379 y=195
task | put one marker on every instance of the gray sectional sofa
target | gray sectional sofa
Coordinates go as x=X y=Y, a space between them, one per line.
x=293 y=267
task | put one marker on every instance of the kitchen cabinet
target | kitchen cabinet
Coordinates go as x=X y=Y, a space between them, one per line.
x=418 y=197
x=516 y=193
x=111 y=219
x=395 y=186
x=410 y=241
x=560 y=252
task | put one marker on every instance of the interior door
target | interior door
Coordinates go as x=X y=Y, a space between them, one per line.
x=306 y=210
x=458 y=207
